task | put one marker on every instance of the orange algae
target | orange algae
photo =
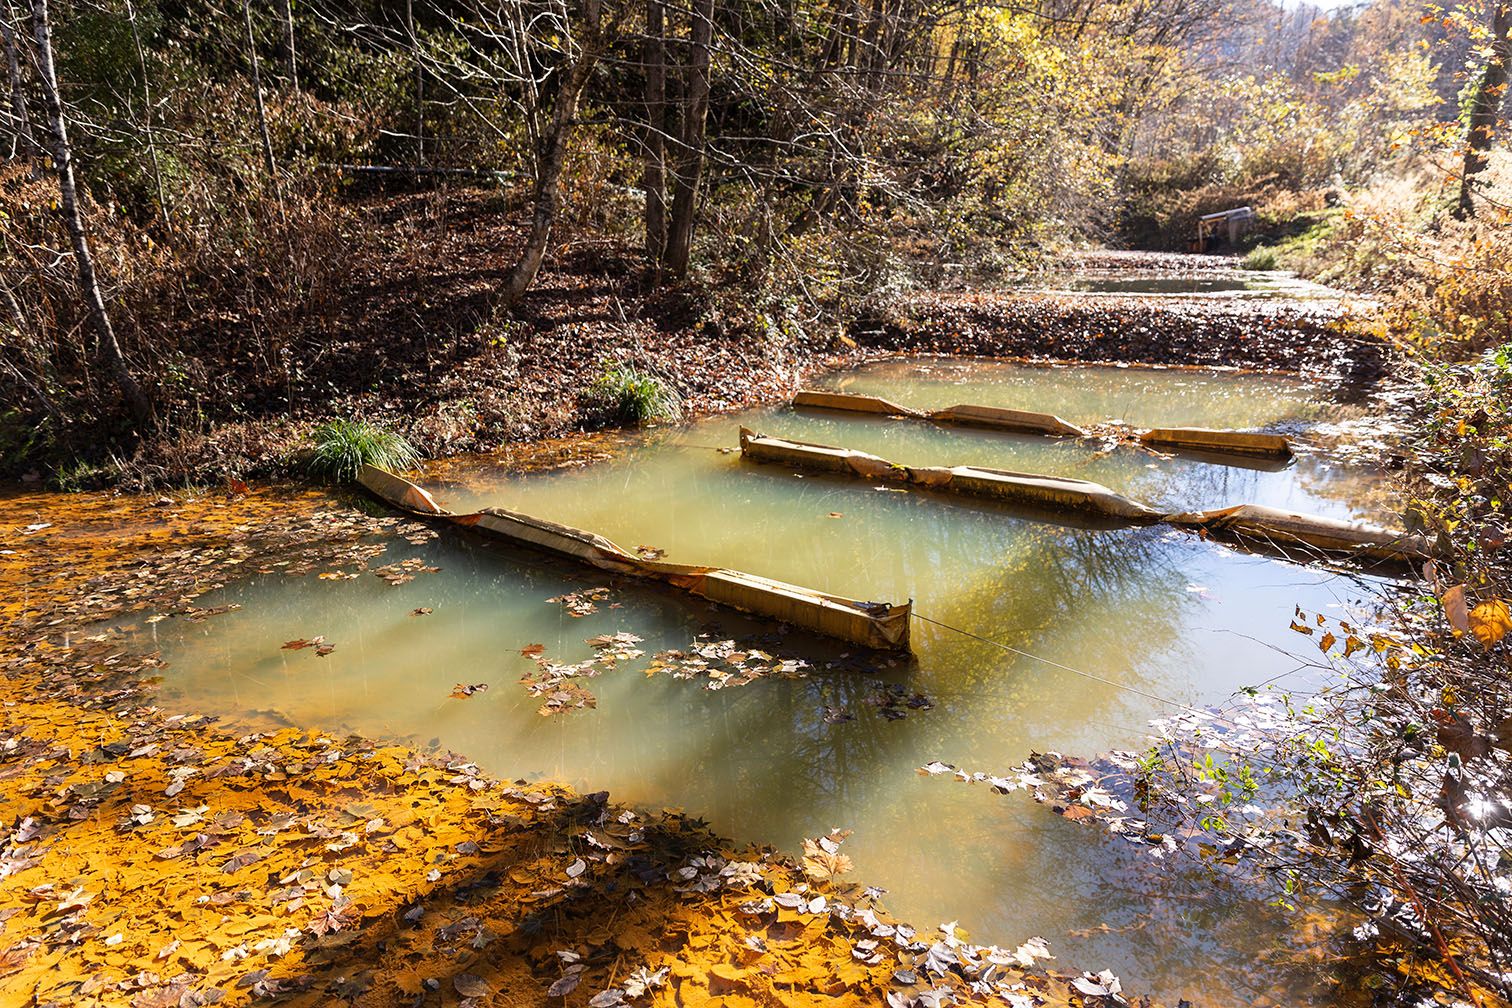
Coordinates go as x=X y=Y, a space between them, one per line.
x=159 y=859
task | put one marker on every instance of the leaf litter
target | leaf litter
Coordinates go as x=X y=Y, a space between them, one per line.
x=158 y=859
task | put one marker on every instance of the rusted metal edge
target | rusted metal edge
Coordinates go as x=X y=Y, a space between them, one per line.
x=1251 y=525
x=878 y=625
x=1246 y=444
x=1029 y=489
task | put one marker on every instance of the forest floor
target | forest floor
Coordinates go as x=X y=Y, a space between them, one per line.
x=158 y=859
x=408 y=338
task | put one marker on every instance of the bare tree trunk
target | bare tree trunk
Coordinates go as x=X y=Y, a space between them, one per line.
x=23 y=146
x=157 y=173
x=291 y=59
x=552 y=159
x=409 y=27
x=110 y=350
x=1485 y=107
x=690 y=159
x=654 y=177
x=262 y=112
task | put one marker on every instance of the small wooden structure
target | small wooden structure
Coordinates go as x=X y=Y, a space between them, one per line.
x=1224 y=225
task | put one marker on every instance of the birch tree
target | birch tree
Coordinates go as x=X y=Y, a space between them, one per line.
x=23 y=144
x=136 y=401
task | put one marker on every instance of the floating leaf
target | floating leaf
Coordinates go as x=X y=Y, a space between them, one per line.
x=299 y=645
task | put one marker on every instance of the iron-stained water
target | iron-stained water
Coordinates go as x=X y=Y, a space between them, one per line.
x=1153 y=609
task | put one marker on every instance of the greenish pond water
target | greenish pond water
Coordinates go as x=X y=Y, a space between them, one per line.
x=1234 y=283
x=1154 y=609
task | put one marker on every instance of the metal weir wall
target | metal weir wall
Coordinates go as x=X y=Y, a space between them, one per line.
x=1286 y=532
x=1220 y=445
x=876 y=625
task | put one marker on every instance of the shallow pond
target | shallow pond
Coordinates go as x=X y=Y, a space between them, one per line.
x=1152 y=610
x=1235 y=283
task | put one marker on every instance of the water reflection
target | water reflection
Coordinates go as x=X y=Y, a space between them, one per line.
x=1124 y=616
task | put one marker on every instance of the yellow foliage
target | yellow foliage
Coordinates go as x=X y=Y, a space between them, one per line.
x=1490 y=621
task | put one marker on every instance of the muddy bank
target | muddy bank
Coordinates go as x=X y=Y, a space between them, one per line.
x=1294 y=336
x=158 y=858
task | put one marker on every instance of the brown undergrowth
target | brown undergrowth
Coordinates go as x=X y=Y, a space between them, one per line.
x=412 y=338
x=159 y=859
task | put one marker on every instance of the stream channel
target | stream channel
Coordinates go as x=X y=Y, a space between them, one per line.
x=781 y=758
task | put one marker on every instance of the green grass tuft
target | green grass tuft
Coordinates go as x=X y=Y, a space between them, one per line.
x=1261 y=258
x=626 y=395
x=344 y=446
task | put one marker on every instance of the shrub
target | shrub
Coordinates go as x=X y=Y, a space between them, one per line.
x=627 y=395
x=1262 y=258
x=344 y=446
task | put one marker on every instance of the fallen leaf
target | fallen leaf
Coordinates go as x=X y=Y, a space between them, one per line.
x=299 y=645
x=471 y=985
x=565 y=985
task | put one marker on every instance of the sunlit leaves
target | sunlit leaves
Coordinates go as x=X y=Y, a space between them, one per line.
x=1489 y=621
x=822 y=858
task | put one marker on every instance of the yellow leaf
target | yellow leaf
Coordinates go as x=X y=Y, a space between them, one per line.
x=1326 y=642
x=1490 y=621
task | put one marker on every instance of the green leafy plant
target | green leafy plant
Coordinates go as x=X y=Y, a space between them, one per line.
x=627 y=395
x=344 y=446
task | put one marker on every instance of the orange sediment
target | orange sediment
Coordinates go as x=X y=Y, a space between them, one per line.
x=151 y=858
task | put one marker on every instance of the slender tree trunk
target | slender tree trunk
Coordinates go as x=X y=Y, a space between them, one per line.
x=23 y=145
x=654 y=177
x=690 y=159
x=552 y=159
x=291 y=58
x=157 y=173
x=1485 y=107
x=409 y=27
x=89 y=286
x=262 y=112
